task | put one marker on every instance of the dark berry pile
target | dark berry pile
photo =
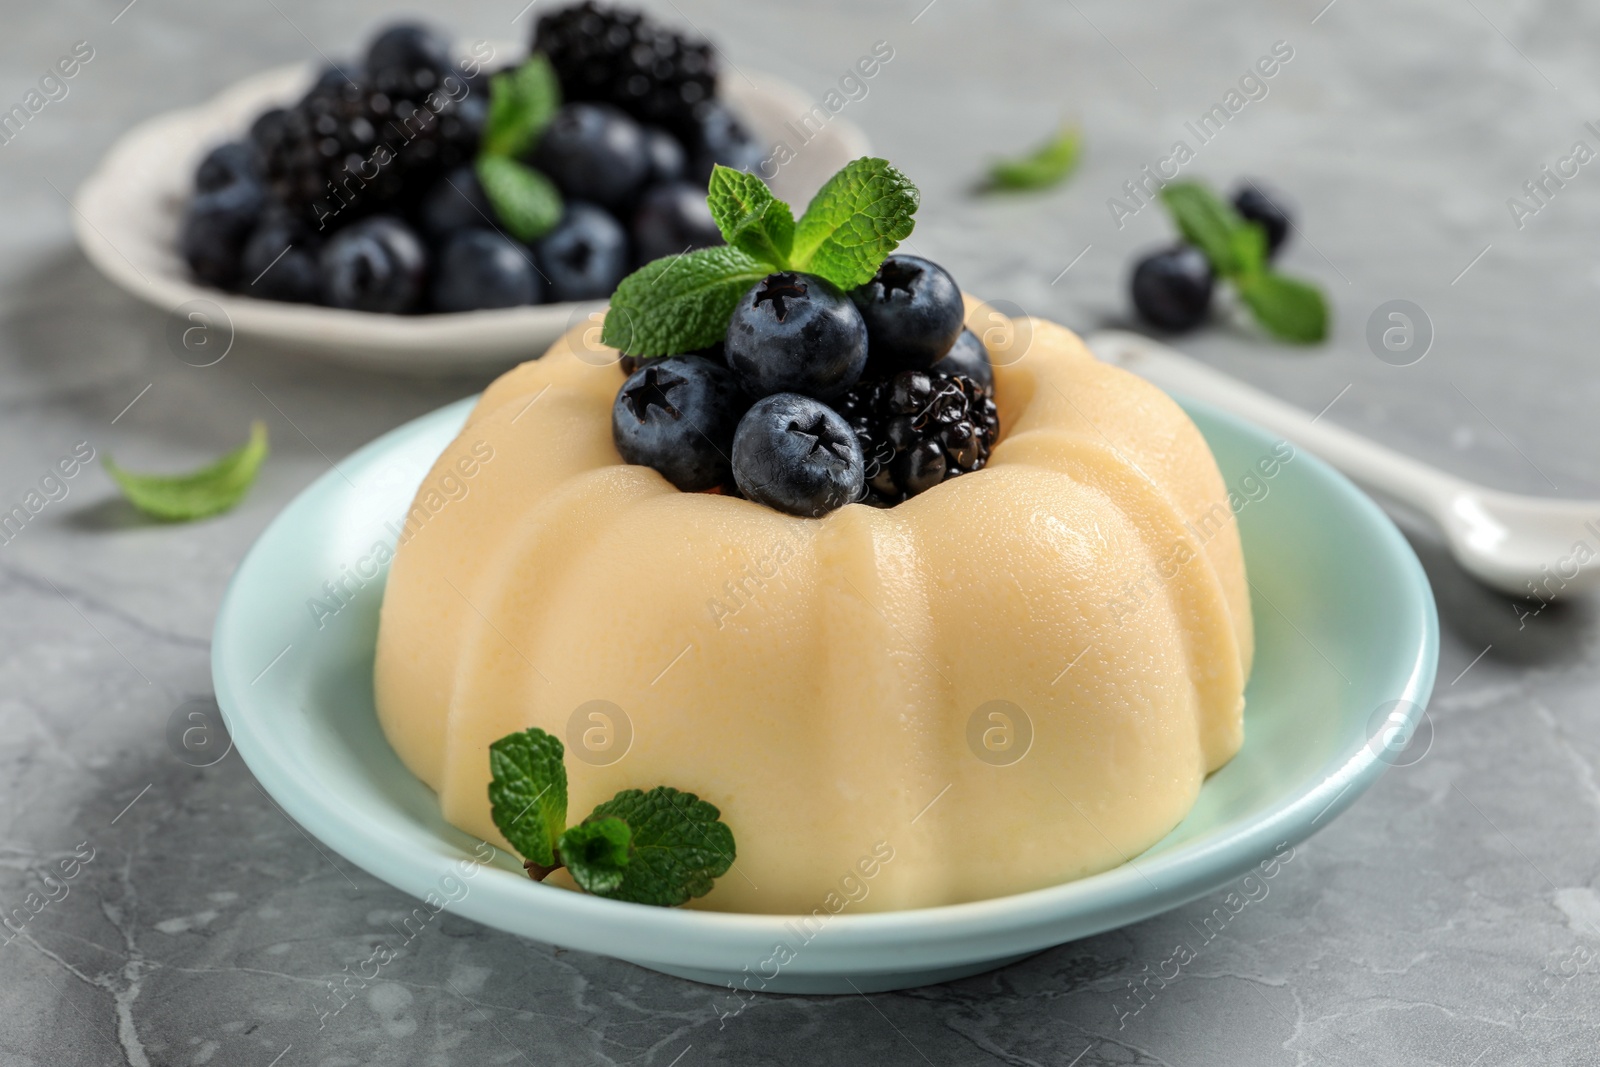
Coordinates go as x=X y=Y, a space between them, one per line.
x=349 y=148
x=818 y=398
x=363 y=194
x=919 y=428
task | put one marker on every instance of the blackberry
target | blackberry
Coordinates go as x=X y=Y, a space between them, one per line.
x=615 y=56
x=919 y=428
x=407 y=60
x=348 y=150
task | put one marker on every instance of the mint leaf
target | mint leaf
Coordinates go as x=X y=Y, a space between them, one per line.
x=1048 y=164
x=857 y=218
x=680 y=303
x=1210 y=224
x=749 y=216
x=595 y=852
x=528 y=793
x=680 y=846
x=1286 y=307
x=521 y=104
x=208 y=491
x=525 y=200
x=1249 y=247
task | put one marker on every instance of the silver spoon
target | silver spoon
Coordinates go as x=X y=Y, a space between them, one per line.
x=1527 y=546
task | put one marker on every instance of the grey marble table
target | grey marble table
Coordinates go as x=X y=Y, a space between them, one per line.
x=1451 y=917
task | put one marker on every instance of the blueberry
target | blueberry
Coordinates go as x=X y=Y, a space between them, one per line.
x=666 y=156
x=594 y=152
x=721 y=138
x=280 y=260
x=585 y=255
x=1172 y=288
x=377 y=264
x=913 y=312
x=407 y=59
x=1259 y=203
x=216 y=226
x=236 y=161
x=455 y=202
x=969 y=357
x=671 y=219
x=483 y=269
x=678 y=415
x=797 y=455
x=796 y=333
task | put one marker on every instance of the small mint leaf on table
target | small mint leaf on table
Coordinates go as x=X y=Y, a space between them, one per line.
x=596 y=852
x=1285 y=307
x=857 y=218
x=680 y=303
x=526 y=202
x=749 y=216
x=1212 y=225
x=208 y=491
x=1049 y=164
x=521 y=104
x=679 y=846
x=1249 y=247
x=528 y=794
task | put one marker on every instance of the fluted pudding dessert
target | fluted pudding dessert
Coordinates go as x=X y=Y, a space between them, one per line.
x=996 y=682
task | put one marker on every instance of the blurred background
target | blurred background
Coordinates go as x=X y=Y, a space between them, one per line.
x=1422 y=927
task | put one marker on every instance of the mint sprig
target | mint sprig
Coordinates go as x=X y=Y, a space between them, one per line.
x=526 y=202
x=521 y=104
x=749 y=216
x=661 y=847
x=596 y=853
x=528 y=793
x=682 y=303
x=1289 y=308
x=1286 y=307
x=212 y=489
x=857 y=218
x=1051 y=163
x=1212 y=225
x=679 y=846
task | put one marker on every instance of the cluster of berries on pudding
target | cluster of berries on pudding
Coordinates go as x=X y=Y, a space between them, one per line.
x=410 y=182
x=818 y=398
x=814 y=396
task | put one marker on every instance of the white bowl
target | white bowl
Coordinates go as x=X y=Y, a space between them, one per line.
x=128 y=213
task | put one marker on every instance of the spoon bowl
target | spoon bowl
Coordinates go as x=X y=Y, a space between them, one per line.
x=1534 y=547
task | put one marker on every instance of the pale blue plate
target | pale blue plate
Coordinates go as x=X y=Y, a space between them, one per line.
x=1347 y=646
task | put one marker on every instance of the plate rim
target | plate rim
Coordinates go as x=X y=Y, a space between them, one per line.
x=904 y=940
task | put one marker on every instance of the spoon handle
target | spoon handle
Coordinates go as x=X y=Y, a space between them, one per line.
x=1371 y=464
